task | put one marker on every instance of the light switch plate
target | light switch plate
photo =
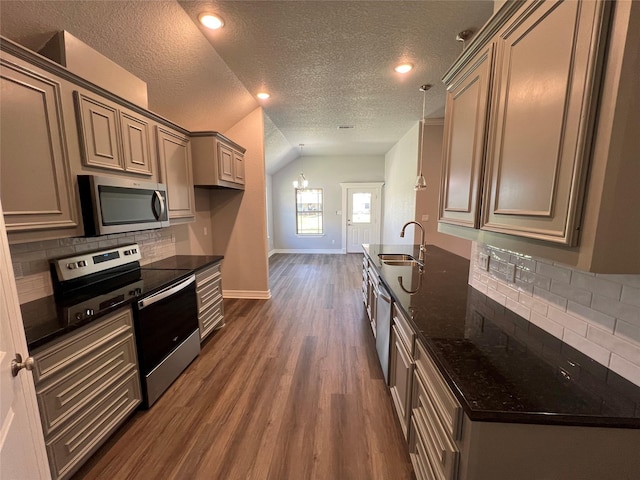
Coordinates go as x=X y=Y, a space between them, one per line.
x=425 y=218
x=483 y=260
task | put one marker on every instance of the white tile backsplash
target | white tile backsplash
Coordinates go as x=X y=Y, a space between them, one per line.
x=595 y=313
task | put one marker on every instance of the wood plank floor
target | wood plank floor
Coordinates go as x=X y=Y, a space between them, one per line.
x=290 y=388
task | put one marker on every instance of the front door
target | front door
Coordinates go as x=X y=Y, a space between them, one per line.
x=22 y=450
x=363 y=217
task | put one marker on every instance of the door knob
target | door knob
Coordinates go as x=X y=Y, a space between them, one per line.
x=17 y=364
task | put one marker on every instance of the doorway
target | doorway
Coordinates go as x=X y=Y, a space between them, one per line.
x=361 y=204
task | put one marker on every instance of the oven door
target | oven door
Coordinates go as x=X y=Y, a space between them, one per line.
x=164 y=320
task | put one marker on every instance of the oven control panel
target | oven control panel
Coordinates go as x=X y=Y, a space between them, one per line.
x=87 y=263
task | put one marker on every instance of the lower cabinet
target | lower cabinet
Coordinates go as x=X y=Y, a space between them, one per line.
x=401 y=368
x=87 y=384
x=209 y=296
x=435 y=424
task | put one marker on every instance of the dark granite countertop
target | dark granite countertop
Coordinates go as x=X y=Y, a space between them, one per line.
x=501 y=367
x=47 y=318
x=184 y=262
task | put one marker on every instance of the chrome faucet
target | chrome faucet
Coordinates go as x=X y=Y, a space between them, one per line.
x=423 y=247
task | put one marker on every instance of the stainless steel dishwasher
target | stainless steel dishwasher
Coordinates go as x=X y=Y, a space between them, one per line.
x=383 y=328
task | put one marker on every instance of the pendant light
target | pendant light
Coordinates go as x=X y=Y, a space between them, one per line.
x=302 y=182
x=421 y=182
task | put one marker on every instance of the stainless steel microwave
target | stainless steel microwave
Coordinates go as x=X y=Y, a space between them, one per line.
x=118 y=205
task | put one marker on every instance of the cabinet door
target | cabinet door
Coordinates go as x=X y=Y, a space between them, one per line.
x=175 y=163
x=34 y=169
x=537 y=158
x=466 y=115
x=99 y=136
x=400 y=376
x=225 y=163
x=136 y=143
x=238 y=167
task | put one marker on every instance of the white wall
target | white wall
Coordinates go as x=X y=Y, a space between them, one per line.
x=326 y=173
x=597 y=314
x=400 y=171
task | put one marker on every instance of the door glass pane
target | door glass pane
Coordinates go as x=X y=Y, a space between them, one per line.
x=361 y=208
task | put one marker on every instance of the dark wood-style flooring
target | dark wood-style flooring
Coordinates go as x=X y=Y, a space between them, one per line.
x=290 y=388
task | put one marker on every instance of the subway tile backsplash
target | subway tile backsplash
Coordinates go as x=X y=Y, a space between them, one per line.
x=31 y=260
x=597 y=314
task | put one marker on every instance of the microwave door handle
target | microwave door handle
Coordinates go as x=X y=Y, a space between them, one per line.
x=158 y=195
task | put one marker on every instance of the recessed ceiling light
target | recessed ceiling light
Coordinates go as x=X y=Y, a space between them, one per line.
x=211 y=21
x=263 y=95
x=404 y=68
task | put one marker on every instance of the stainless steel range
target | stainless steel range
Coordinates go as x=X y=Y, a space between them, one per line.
x=164 y=305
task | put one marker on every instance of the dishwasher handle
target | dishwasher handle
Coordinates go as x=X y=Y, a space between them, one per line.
x=383 y=293
x=167 y=292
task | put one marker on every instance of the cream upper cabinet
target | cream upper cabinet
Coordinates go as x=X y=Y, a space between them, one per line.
x=524 y=122
x=217 y=161
x=35 y=181
x=466 y=114
x=174 y=154
x=112 y=137
x=538 y=148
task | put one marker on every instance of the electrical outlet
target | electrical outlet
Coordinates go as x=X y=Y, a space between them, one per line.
x=511 y=272
x=205 y=231
x=425 y=218
x=483 y=260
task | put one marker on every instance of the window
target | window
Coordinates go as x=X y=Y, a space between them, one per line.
x=309 y=211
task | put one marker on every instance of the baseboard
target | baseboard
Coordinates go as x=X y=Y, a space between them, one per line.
x=248 y=294
x=327 y=251
x=271 y=252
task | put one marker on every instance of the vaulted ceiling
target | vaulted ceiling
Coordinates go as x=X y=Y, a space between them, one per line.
x=325 y=63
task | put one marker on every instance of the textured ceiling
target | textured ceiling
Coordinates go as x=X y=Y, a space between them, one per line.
x=324 y=62
x=327 y=63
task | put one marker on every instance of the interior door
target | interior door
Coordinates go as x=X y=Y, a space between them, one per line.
x=362 y=218
x=22 y=450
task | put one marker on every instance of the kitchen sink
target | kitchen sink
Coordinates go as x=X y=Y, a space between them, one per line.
x=403 y=263
x=399 y=259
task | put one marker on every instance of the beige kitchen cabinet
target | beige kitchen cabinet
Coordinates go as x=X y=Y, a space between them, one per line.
x=209 y=298
x=560 y=157
x=401 y=367
x=87 y=384
x=217 y=161
x=112 y=137
x=174 y=155
x=466 y=117
x=435 y=423
x=35 y=179
x=540 y=121
x=546 y=87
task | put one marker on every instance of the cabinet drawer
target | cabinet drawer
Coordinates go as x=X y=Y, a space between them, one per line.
x=405 y=332
x=441 y=451
x=419 y=459
x=209 y=294
x=445 y=404
x=207 y=275
x=400 y=378
x=78 y=345
x=77 y=388
x=210 y=319
x=92 y=427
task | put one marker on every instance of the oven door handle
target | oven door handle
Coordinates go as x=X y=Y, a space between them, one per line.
x=161 y=295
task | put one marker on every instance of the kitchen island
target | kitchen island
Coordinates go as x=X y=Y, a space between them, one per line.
x=519 y=388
